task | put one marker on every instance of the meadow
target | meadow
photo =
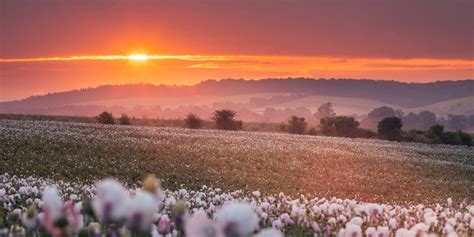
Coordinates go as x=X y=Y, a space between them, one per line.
x=55 y=179
x=367 y=170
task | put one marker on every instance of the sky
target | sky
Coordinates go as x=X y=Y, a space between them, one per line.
x=54 y=45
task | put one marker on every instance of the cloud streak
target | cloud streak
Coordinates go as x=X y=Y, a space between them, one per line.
x=298 y=64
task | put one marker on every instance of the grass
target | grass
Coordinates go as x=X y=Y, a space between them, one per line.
x=369 y=170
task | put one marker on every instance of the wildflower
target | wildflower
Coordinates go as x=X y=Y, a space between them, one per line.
x=256 y=194
x=237 y=219
x=164 y=225
x=371 y=232
x=111 y=204
x=353 y=230
x=52 y=204
x=151 y=184
x=382 y=231
x=270 y=233
x=141 y=211
x=450 y=202
x=30 y=218
x=200 y=226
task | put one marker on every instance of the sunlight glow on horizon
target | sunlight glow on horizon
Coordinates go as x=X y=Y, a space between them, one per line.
x=138 y=57
x=297 y=64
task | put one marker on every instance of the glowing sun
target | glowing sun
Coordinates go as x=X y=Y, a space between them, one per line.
x=138 y=57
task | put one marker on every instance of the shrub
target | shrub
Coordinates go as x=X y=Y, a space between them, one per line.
x=193 y=121
x=296 y=125
x=105 y=118
x=224 y=120
x=124 y=120
x=312 y=131
x=390 y=128
x=341 y=126
x=451 y=138
x=466 y=138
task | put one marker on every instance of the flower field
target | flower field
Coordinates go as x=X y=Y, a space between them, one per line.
x=67 y=210
x=49 y=175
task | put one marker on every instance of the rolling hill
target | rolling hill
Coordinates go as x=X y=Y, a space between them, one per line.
x=349 y=96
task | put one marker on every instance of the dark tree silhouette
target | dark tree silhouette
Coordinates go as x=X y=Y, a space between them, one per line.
x=224 y=120
x=390 y=128
x=105 y=118
x=296 y=125
x=124 y=119
x=193 y=121
x=341 y=126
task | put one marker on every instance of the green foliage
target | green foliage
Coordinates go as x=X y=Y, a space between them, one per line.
x=193 y=121
x=105 y=118
x=224 y=120
x=296 y=125
x=390 y=129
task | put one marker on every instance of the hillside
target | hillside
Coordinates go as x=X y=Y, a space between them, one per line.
x=369 y=170
x=463 y=106
x=342 y=105
x=368 y=92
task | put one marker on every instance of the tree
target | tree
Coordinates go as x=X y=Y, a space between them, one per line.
x=390 y=128
x=193 y=121
x=324 y=111
x=224 y=120
x=426 y=119
x=340 y=126
x=377 y=115
x=105 y=118
x=382 y=112
x=124 y=120
x=296 y=125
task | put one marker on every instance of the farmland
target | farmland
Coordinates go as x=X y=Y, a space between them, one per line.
x=368 y=170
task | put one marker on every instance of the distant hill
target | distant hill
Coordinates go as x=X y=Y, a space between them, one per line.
x=461 y=106
x=398 y=94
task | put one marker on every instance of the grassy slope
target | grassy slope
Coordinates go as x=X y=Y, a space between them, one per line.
x=355 y=168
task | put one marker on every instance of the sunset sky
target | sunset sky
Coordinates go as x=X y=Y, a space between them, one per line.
x=57 y=45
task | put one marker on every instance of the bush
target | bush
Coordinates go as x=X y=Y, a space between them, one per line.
x=124 y=120
x=296 y=125
x=390 y=128
x=466 y=138
x=451 y=138
x=340 y=126
x=224 y=120
x=105 y=118
x=193 y=121
x=312 y=131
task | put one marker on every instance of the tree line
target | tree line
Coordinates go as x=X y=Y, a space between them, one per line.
x=387 y=128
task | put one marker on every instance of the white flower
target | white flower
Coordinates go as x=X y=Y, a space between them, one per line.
x=450 y=202
x=256 y=194
x=112 y=201
x=353 y=230
x=270 y=233
x=382 y=231
x=371 y=232
x=237 y=218
x=277 y=224
x=52 y=203
x=201 y=226
x=356 y=221
x=141 y=211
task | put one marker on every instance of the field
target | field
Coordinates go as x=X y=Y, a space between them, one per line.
x=367 y=170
